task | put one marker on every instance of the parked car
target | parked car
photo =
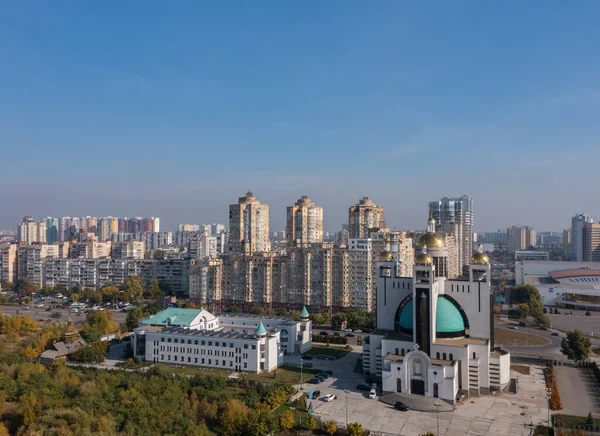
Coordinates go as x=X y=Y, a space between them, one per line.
x=306 y=365
x=324 y=333
x=307 y=357
x=350 y=335
x=372 y=394
x=313 y=381
x=513 y=327
x=401 y=406
x=314 y=395
x=554 y=334
x=49 y=309
x=329 y=397
x=327 y=371
x=323 y=375
x=337 y=334
x=358 y=331
x=363 y=387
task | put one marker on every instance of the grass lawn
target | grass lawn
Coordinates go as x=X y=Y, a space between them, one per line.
x=195 y=371
x=570 y=421
x=522 y=369
x=333 y=351
x=506 y=337
x=283 y=374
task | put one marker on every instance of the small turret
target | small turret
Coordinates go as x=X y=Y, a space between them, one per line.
x=304 y=314
x=261 y=331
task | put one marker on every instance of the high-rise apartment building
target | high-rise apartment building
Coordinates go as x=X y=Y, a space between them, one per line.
x=566 y=241
x=304 y=223
x=455 y=216
x=577 y=224
x=362 y=217
x=249 y=226
x=51 y=230
x=202 y=246
x=519 y=238
x=31 y=231
x=8 y=263
x=591 y=242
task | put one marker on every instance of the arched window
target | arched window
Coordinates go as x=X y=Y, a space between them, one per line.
x=396 y=352
x=474 y=355
x=403 y=351
x=437 y=356
x=444 y=356
x=451 y=357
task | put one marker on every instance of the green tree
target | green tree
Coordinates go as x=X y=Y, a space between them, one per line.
x=354 y=429
x=98 y=324
x=109 y=292
x=331 y=428
x=530 y=295
x=134 y=287
x=26 y=286
x=158 y=254
x=286 y=420
x=133 y=317
x=523 y=310
x=257 y=424
x=576 y=346
x=91 y=353
x=153 y=290
x=590 y=420
x=8 y=286
x=309 y=422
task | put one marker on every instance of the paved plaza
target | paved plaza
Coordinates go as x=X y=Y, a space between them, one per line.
x=505 y=414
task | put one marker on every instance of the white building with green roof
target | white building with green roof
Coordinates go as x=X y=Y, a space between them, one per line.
x=228 y=341
x=435 y=336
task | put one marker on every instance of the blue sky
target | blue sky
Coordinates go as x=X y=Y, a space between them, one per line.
x=175 y=109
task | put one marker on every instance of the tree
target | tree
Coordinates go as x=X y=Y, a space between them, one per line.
x=286 y=420
x=134 y=287
x=232 y=416
x=590 y=420
x=109 y=292
x=26 y=286
x=576 y=346
x=153 y=290
x=309 y=422
x=530 y=295
x=8 y=286
x=98 y=324
x=257 y=424
x=90 y=353
x=158 y=254
x=3 y=430
x=331 y=428
x=523 y=310
x=133 y=318
x=354 y=429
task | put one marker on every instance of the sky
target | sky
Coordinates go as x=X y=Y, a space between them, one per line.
x=175 y=109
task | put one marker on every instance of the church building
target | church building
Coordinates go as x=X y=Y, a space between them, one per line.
x=435 y=335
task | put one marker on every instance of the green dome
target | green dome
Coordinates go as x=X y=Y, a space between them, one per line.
x=261 y=330
x=406 y=316
x=447 y=319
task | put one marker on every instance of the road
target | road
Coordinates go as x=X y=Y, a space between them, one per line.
x=41 y=314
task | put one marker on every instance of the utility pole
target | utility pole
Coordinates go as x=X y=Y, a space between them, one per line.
x=437 y=406
x=301 y=374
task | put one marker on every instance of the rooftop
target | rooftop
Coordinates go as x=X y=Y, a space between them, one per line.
x=282 y=319
x=221 y=334
x=173 y=316
x=570 y=273
x=460 y=342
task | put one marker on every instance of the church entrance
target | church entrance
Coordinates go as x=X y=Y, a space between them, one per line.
x=435 y=390
x=417 y=387
x=398 y=385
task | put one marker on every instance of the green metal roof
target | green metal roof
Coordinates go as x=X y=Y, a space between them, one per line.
x=174 y=316
x=447 y=319
x=304 y=312
x=261 y=330
x=406 y=316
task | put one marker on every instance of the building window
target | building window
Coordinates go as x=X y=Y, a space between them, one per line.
x=168 y=339
x=203 y=360
x=474 y=355
x=402 y=351
x=216 y=344
x=195 y=360
x=444 y=356
x=189 y=341
x=224 y=344
x=189 y=359
x=210 y=361
x=203 y=342
x=437 y=355
x=245 y=346
x=162 y=339
x=162 y=357
x=224 y=363
x=231 y=345
x=254 y=347
x=210 y=343
x=245 y=365
x=169 y=357
x=196 y=342
x=451 y=357
x=175 y=340
x=175 y=358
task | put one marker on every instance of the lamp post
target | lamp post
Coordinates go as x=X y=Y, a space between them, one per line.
x=437 y=407
x=346 y=391
x=301 y=374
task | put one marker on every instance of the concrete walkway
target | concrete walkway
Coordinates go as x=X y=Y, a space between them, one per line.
x=418 y=402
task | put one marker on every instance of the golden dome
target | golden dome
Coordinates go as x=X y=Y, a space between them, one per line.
x=480 y=258
x=431 y=239
x=424 y=259
x=386 y=256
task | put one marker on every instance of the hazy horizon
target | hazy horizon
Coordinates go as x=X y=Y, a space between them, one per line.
x=176 y=110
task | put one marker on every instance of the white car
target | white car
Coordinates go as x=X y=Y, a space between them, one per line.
x=373 y=394
x=329 y=397
x=358 y=331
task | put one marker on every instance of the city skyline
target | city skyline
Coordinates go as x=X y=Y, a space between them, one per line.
x=197 y=103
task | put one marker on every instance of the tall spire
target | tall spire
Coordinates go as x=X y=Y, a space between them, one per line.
x=431 y=223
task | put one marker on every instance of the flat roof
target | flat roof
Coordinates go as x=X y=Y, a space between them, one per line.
x=283 y=319
x=460 y=342
x=571 y=273
x=173 y=316
x=218 y=334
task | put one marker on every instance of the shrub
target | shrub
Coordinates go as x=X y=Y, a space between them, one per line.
x=354 y=429
x=331 y=428
x=545 y=311
x=588 y=313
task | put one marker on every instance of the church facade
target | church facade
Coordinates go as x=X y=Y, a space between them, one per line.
x=435 y=336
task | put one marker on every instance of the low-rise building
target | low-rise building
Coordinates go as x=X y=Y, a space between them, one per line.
x=236 y=342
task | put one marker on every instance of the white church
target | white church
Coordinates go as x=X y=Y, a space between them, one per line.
x=435 y=336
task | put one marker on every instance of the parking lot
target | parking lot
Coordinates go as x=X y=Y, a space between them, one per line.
x=485 y=415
